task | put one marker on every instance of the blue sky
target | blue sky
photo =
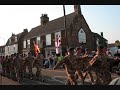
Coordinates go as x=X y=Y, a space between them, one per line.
x=100 y=18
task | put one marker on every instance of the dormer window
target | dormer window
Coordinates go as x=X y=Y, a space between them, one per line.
x=15 y=38
x=81 y=36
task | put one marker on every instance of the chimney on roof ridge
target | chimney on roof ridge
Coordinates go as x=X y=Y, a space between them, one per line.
x=44 y=19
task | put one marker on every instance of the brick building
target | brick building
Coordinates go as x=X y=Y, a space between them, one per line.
x=78 y=33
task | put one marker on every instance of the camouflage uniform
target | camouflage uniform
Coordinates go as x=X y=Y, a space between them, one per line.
x=12 y=67
x=18 y=67
x=80 y=67
x=7 y=66
x=23 y=57
x=70 y=65
x=87 y=58
x=3 y=65
x=38 y=63
x=100 y=63
x=29 y=62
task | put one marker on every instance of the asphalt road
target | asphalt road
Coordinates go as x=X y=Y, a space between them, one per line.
x=52 y=77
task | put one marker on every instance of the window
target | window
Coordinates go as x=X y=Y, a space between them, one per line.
x=28 y=43
x=48 y=39
x=8 y=48
x=14 y=47
x=24 y=44
x=97 y=41
x=15 y=38
x=38 y=41
x=81 y=36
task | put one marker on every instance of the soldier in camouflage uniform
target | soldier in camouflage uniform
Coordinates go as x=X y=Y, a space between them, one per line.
x=7 y=66
x=100 y=63
x=29 y=60
x=70 y=65
x=38 y=63
x=12 y=70
x=80 y=64
x=23 y=57
x=3 y=65
x=87 y=57
x=18 y=67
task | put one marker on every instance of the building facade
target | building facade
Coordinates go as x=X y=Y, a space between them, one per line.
x=78 y=34
x=15 y=43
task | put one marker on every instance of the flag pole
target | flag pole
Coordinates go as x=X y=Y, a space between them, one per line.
x=65 y=26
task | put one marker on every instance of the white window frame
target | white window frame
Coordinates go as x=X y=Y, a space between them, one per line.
x=38 y=41
x=28 y=43
x=48 y=39
x=8 y=48
x=24 y=44
x=14 y=47
x=81 y=36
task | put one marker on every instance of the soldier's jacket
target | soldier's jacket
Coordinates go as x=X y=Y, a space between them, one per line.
x=18 y=62
x=86 y=59
x=39 y=62
x=100 y=62
x=79 y=61
x=70 y=64
x=29 y=60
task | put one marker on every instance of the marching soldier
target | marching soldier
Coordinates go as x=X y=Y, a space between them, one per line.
x=3 y=65
x=29 y=60
x=23 y=57
x=12 y=70
x=18 y=67
x=80 y=64
x=100 y=63
x=7 y=66
x=38 y=63
x=86 y=62
x=70 y=65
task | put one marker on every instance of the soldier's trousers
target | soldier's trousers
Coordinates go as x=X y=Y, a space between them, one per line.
x=103 y=78
x=71 y=80
x=38 y=72
x=12 y=73
x=90 y=76
x=79 y=74
x=30 y=71
x=18 y=74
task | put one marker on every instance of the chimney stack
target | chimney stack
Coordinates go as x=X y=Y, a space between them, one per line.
x=44 y=19
x=102 y=34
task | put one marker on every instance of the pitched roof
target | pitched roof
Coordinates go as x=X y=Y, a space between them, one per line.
x=51 y=26
x=13 y=39
x=99 y=35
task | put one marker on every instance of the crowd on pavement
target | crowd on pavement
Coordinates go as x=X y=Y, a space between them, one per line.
x=78 y=65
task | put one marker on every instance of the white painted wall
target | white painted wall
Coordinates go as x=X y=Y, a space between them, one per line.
x=11 y=49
